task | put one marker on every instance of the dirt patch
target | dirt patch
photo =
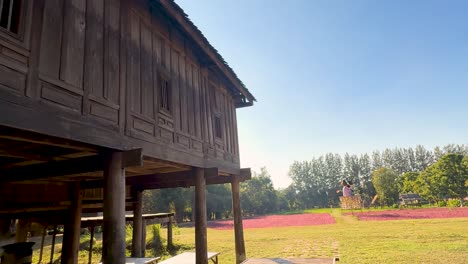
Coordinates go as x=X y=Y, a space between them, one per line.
x=401 y=214
x=276 y=221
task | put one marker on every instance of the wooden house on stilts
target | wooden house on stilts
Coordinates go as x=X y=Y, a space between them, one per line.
x=102 y=99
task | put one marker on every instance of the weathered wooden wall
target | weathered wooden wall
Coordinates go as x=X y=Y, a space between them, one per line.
x=92 y=71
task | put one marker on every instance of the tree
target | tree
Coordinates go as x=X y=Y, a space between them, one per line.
x=423 y=158
x=407 y=181
x=376 y=160
x=445 y=179
x=258 y=195
x=384 y=181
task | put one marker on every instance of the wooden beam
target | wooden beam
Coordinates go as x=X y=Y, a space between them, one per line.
x=68 y=167
x=71 y=236
x=238 y=228
x=52 y=248
x=22 y=229
x=201 y=244
x=90 y=254
x=142 y=181
x=31 y=137
x=113 y=250
x=137 y=225
x=53 y=169
x=190 y=182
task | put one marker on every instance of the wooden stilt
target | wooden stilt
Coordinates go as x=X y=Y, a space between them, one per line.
x=137 y=225
x=44 y=231
x=22 y=229
x=72 y=229
x=143 y=238
x=238 y=228
x=169 y=235
x=52 y=249
x=201 y=245
x=113 y=250
x=90 y=255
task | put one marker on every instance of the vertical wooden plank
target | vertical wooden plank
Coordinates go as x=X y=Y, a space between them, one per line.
x=112 y=49
x=201 y=245
x=183 y=96
x=113 y=250
x=197 y=96
x=124 y=97
x=133 y=86
x=22 y=229
x=210 y=104
x=175 y=89
x=143 y=238
x=146 y=59
x=91 y=242
x=72 y=56
x=44 y=232
x=137 y=225
x=157 y=48
x=205 y=117
x=190 y=98
x=236 y=139
x=169 y=234
x=231 y=124
x=238 y=228
x=226 y=130
x=52 y=248
x=32 y=86
x=167 y=55
x=94 y=47
x=71 y=235
x=51 y=38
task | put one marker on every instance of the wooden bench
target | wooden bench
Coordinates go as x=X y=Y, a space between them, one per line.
x=189 y=258
x=141 y=260
x=411 y=199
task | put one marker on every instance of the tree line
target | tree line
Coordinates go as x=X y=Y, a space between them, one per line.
x=315 y=182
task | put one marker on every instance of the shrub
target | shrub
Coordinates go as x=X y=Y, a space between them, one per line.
x=453 y=203
x=441 y=203
x=157 y=242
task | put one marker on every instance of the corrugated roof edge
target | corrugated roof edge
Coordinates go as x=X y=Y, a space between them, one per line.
x=206 y=42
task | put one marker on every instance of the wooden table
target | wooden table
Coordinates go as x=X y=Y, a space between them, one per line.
x=290 y=261
x=189 y=258
x=141 y=260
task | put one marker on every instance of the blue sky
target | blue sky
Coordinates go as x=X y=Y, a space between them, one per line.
x=341 y=76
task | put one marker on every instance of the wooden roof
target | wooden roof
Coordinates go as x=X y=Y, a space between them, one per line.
x=178 y=14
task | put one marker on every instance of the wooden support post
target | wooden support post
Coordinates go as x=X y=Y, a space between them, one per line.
x=72 y=228
x=44 y=231
x=143 y=238
x=52 y=248
x=90 y=254
x=22 y=229
x=238 y=228
x=201 y=245
x=137 y=225
x=169 y=234
x=113 y=249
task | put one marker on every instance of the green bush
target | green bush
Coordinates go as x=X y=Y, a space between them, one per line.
x=157 y=242
x=441 y=203
x=453 y=203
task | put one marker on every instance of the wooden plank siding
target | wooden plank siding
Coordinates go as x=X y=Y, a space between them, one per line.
x=98 y=73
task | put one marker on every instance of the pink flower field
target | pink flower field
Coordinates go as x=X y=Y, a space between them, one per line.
x=276 y=221
x=402 y=214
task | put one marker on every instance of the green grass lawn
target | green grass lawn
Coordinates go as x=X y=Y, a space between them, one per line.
x=353 y=241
